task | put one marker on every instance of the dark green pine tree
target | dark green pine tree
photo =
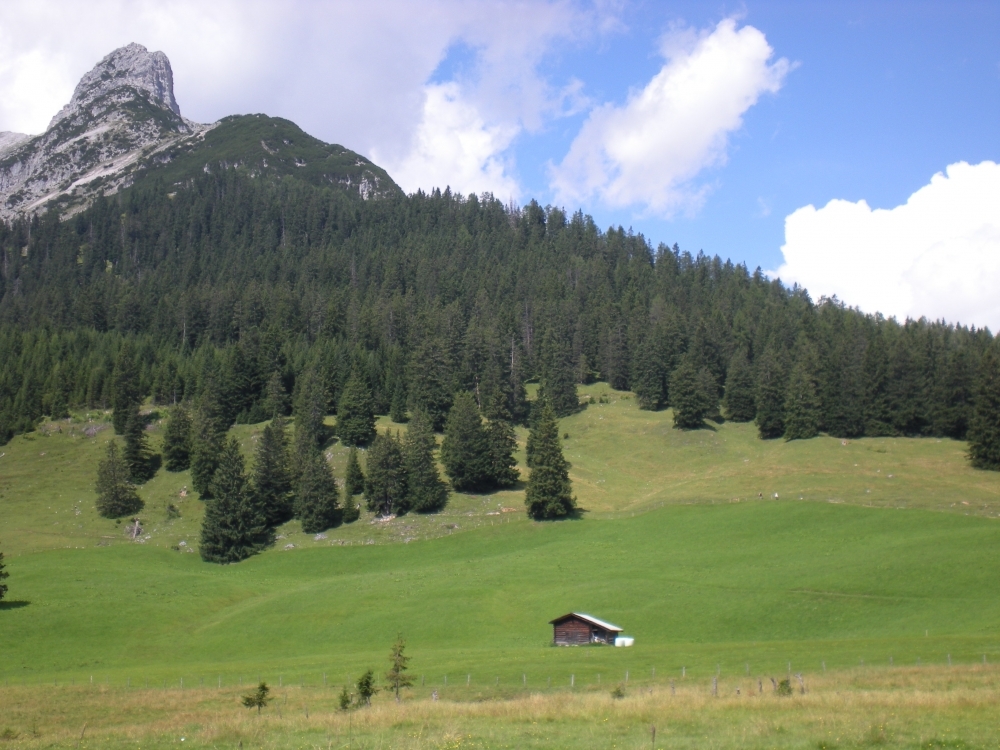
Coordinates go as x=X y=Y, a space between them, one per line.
x=125 y=386
x=385 y=483
x=4 y=575
x=739 y=401
x=272 y=474
x=465 y=451
x=136 y=453
x=771 y=393
x=397 y=409
x=878 y=416
x=235 y=526
x=984 y=428
x=558 y=381
x=687 y=396
x=177 y=440
x=429 y=380
x=355 y=413
x=802 y=404
x=354 y=477
x=426 y=491
x=648 y=376
x=116 y=496
x=317 y=504
x=310 y=408
x=549 y=494
x=207 y=439
x=502 y=444
x=275 y=396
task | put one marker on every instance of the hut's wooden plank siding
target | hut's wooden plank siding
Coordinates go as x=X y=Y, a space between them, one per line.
x=574 y=630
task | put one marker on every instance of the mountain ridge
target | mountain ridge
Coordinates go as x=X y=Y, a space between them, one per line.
x=123 y=122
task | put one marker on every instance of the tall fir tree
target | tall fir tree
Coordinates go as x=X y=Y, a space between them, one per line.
x=272 y=474
x=397 y=408
x=310 y=409
x=125 y=387
x=688 y=396
x=317 y=504
x=207 y=440
x=116 y=496
x=648 y=376
x=984 y=428
x=177 y=440
x=385 y=482
x=429 y=379
x=739 y=402
x=235 y=525
x=136 y=452
x=549 y=494
x=770 y=396
x=802 y=404
x=275 y=396
x=502 y=442
x=356 y=413
x=558 y=383
x=426 y=491
x=878 y=416
x=465 y=451
x=4 y=575
x=354 y=477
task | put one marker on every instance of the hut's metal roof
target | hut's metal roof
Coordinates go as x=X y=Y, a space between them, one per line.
x=589 y=618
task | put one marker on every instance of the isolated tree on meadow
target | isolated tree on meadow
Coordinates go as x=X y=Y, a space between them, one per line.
x=396 y=676
x=177 y=440
x=235 y=526
x=426 y=491
x=688 y=397
x=366 y=687
x=136 y=452
x=4 y=575
x=465 y=450
x=207 y=437
x=272 y=474
x=501 y=442
x=984 y=427
x=385 y=483
x=549 y=494
x=116 y=496
x=356 y=413
x=317 y=504
x=259 y=698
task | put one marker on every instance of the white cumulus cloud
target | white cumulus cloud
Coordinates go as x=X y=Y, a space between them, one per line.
x=936 y=256
x=646 y=152
x=453 y=146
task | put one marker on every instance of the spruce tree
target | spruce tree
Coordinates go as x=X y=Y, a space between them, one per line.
x=385 y=483
x=116 y=496
x=984 y=428
x=558 y=383
x=317 y=504
x=426 y=492
x=502 y=444
x=428 y=379
x=235 y=526
x=177 y=440
x=275 y=396
x=206 y=445
x=355 y=413
x=648 y=376
x=354 y=478
x=465 y=451
x=687 y=396
x=4 y=575
x=739 y=401
x=770 y=395
x=310 y=408
x=397 y=409
x=549 y=493
x=802 y=404
x=136 y=453
x=125 y=387
x=272 y=474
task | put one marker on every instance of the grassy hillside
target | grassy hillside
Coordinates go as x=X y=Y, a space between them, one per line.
x=675 y=546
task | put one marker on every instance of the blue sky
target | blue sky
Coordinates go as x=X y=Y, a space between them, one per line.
x=715 y=126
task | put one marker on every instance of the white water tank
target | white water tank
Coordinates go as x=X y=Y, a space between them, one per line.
x=624 y=640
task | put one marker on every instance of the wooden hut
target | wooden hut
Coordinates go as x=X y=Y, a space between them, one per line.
x=577 y=628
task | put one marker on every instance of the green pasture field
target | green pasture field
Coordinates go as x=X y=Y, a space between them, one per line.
x=890 y=557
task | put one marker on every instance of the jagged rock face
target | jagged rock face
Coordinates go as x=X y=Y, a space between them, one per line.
x=121 y=111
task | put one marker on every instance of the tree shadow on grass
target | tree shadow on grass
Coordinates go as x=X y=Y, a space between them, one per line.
x=16 y=604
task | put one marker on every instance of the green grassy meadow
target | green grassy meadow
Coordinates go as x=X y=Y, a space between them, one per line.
x=875 y=564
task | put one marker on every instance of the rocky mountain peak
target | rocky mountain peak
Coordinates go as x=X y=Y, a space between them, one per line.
x=130 y=66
